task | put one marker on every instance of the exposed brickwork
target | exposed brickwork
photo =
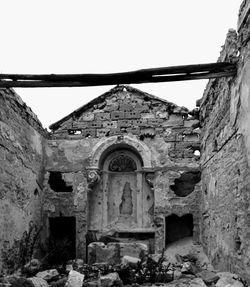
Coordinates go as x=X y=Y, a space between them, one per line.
x=125 y=110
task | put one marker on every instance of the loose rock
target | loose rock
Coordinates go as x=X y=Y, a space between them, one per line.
x=109 y=279
x=75 y=279
x=48 y=275
x=228 y=279
x=38 y=282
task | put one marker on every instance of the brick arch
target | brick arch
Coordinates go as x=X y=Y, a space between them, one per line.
x=101 y=149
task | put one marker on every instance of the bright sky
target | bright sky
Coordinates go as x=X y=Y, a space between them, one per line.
x=97 y=36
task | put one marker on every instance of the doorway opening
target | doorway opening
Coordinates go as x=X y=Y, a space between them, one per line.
x=177 y=227
x=62 y=239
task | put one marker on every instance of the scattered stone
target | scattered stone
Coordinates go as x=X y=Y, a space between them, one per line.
x=94 y=283
x=208 y=277
x=109 y=279
x=59 y=283
x=227 y=279
x=48 y=275
x=75 y=279
x=197 y=282
x=177 y=274
x=32 y=267
x=133 y=249
x=179 y=258
x=69 y=267
x=189 y=268
x=78 y=263
x=129 y=260
x=38 y=282
x=98 y=252
x=19 y=282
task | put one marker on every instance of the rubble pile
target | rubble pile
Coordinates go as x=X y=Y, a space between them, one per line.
x=151 y=270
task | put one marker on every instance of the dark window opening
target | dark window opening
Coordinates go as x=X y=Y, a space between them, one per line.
x=62 y=239
x=185 y=184
x=178 y=227
x=57 y=183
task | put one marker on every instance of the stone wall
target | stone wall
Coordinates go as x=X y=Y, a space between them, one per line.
x=21 y=174
x=224 y=116
x=165 y=136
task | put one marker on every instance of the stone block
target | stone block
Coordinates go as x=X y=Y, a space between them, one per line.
x=98 y=252
x=227 y=279
x=191 y=138
x=191 y=123
x=117 y=115
x=159 y=130
x=126 y=107
x=208 y=277
x=95 y=124
x=102 y=116
x=101 y=132
x=197 y=282
x=133 y=249
x=110 y=124
x=140 y=123
x=75 y=279
x=162 y=115
x=89 y=133
x=132 y=115
x=111 y=108
x=129 y=260
x=48 y=274
x=87 y=117
x=109 y=279
x=80 y=125
x=38 y=282
x=134 y=130
x=142 y=107
x=174 y=121
x=115 y=132
x=124 y=123
x=147 y=116
x=155 y=122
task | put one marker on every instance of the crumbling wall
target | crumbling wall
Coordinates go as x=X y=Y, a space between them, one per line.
x=224 y=117
x=21 y=175
x=113 y=120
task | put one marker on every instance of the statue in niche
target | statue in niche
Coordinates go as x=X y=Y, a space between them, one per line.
x=126 y=206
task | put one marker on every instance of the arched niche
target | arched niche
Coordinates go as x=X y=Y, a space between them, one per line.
x=122 y=197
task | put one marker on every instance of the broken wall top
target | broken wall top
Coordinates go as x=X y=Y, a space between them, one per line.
x=11 y=99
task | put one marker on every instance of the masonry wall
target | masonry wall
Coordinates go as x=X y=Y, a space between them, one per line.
x=224 y=116
x=125 y=115
x=21 y=176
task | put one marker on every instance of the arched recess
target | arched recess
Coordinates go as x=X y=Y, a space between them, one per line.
x=121 y=197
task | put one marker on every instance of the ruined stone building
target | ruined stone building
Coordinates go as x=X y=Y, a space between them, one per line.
x=134 y=166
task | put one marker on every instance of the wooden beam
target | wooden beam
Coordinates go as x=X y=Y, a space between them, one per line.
x=164 y=74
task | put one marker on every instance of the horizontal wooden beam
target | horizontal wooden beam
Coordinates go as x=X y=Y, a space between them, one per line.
x=164 y=74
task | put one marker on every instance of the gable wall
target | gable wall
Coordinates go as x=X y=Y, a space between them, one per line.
x=166 y=130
